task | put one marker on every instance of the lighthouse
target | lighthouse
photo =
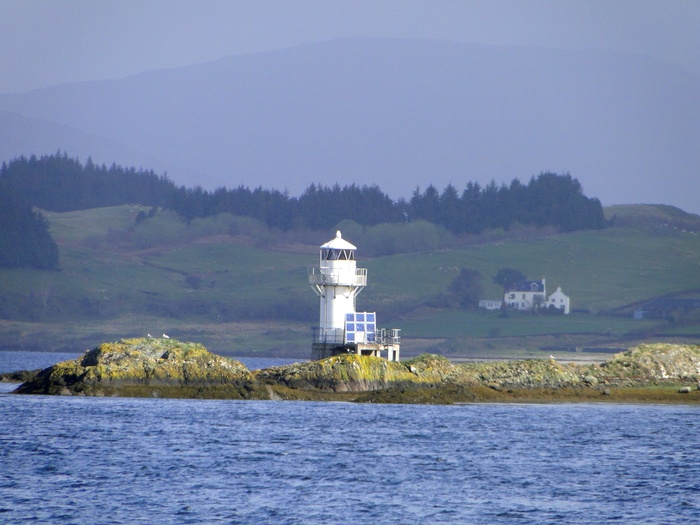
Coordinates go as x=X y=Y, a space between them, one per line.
x=341 y=328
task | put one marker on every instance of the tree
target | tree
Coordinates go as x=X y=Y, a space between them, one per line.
x=426 y=206
x=507 y=277
x=472 y=207
x=467 y=288
x=450 y=209
x=25 y=241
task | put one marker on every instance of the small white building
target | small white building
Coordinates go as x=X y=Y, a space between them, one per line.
x=560 y=301
x=490 y=304
x=341 y=329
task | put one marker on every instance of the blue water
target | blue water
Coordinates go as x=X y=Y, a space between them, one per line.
x=124 y=461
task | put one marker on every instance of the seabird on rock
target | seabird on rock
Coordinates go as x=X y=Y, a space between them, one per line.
x=165 y=336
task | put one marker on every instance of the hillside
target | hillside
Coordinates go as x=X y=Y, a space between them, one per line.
x=656 y=219
x=402 y=112
x=241 y=289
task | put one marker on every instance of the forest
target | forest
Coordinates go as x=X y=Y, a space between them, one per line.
x=60 y=183
x=25 y=240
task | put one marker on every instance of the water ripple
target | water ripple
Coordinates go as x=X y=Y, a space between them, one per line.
x=104 y=460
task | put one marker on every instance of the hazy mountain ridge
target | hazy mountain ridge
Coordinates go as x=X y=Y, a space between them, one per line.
x=402 y=113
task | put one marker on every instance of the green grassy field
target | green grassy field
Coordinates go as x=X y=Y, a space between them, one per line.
x=599 y=270
x=241 y=297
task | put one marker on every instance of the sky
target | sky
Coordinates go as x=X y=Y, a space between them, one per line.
x=46 y=42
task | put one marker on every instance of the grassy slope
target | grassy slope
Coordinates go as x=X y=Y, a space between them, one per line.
x=109 y=291
x=599 y=270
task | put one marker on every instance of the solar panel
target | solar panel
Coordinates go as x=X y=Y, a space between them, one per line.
x=360 y=327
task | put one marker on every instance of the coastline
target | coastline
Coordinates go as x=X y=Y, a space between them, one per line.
x=154 y=367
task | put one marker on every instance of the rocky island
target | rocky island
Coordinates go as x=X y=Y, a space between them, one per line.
x=155 y=367
x=149 y=367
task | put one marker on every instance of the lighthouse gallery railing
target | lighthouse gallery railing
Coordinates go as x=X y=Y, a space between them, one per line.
x=320 y=276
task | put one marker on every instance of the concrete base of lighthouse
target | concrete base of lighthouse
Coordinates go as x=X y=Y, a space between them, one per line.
x=391 y=352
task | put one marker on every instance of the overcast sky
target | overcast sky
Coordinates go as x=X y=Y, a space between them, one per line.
x=48 y=42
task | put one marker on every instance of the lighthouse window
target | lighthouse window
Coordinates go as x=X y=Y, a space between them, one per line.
x=370 y=317
x=360 y=317
x=350 y=336
x=360 y=327
x=350 y=317
x=331 y=254
x=350 y=327
x=370 y=327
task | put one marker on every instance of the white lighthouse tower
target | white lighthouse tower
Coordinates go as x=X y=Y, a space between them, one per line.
x=341 y=329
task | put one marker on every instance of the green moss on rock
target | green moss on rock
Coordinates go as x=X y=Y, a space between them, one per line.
x=433 y=368
x=530 y=373
x=144 y=367
x=341 y=373
x=653 y=363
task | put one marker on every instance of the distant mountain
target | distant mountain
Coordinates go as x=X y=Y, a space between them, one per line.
x=20 y=135
x=399 y=113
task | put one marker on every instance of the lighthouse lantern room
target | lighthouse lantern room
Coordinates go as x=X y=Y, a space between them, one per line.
x=341 y=329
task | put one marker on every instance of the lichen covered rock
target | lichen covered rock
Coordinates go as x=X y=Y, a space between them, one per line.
x=529 y=373
x=654 y=363
x=141 y=367
x=434 y=368
x=341 y=373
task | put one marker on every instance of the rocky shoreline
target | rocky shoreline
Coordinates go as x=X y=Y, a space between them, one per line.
x=155 y=367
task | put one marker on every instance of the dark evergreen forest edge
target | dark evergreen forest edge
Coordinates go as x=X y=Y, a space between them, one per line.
x=60 y=183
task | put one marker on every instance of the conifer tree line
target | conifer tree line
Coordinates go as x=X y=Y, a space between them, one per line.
x=60 y=183
x=25 y=240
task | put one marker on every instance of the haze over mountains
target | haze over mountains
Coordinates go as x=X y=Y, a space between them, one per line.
x=398 y=113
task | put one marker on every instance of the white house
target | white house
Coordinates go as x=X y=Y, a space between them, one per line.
x=527 y=295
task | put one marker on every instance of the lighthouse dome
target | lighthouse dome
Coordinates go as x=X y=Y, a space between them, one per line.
x=338 y=243
x=338 y=249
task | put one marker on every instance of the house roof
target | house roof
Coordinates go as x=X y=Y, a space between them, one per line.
x=527 y=285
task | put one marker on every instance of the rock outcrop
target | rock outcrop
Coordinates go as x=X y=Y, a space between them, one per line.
x=341 y=373
x=18 y=376
x=654 y=363
x=146 y=367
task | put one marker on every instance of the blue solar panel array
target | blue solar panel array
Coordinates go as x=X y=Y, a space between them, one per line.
x=361 y=327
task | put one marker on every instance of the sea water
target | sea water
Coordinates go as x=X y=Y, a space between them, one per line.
x=122 y=461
